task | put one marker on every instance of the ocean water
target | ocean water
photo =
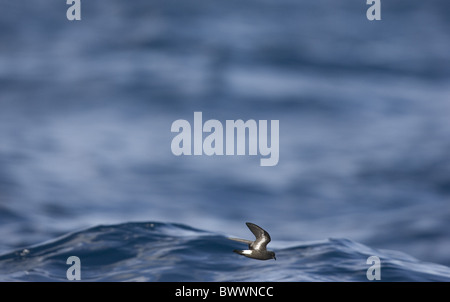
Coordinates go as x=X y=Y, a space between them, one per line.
x=172 y=252
x=86 y=109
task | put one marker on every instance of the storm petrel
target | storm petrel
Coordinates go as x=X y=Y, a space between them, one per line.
x=257 y=249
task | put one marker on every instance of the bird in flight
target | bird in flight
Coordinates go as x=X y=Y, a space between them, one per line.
x=257 y=249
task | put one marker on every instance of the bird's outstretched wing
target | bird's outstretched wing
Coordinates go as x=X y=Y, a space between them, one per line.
x=262 y=237
x=241 y=240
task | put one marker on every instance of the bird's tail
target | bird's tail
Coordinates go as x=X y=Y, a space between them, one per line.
x=239 y=252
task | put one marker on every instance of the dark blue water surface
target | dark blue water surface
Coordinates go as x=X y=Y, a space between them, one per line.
x=86 y=109
x=172 y=252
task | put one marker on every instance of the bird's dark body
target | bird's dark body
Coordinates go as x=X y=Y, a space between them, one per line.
x=267 y=255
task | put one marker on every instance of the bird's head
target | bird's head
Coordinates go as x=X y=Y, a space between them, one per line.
x=272 y=254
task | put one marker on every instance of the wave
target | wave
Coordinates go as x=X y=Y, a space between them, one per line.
x=154 y=251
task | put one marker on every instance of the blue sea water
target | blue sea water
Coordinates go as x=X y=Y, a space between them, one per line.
x=86 y=109
x=153 y=251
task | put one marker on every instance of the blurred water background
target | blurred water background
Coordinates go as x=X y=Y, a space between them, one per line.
x=86 y=109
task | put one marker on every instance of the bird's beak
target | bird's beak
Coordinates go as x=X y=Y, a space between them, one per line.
x=274 y=257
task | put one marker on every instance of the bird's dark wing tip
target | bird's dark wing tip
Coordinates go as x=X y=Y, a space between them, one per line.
x=250 y=225
x=253 y=227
